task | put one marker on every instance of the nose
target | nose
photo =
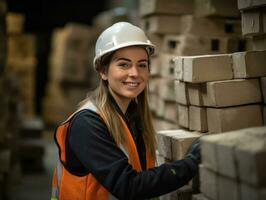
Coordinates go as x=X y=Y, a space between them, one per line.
x=133 y=71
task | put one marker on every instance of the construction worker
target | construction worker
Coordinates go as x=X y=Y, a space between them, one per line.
x=107 y=147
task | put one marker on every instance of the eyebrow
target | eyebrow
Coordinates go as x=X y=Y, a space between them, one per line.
x=128 y=60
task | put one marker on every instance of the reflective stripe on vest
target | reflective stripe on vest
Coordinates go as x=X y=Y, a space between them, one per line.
x=68 y=186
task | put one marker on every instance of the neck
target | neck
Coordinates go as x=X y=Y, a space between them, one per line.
x=121 y=102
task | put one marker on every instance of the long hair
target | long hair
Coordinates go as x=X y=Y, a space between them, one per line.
x=111 y=117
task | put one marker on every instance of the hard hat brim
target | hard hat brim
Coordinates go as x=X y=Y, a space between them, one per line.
x=150 y=49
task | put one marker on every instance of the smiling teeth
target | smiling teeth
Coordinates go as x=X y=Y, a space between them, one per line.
x=132 y=84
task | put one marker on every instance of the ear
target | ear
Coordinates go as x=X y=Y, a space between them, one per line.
x=103 y=75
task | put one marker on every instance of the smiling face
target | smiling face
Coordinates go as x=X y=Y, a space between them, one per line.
x=127 y=74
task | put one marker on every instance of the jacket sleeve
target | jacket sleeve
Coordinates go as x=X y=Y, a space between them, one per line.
x=95 y=148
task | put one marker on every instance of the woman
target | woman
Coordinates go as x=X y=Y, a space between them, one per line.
x=107 y=147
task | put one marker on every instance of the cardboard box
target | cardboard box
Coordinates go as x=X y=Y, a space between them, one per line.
x=251 y=159
x=219 y=150
x=159 y=112
x=170 y=112
x=231 y=118
x=215 y=27
x=189 y=45
x=168 y=7
x=226 y=8
x=248 y=192
x=154 y=84
x=165 y=143
x=155 y=66
x=15 y=23
x=218 y=68
x=167 y=70
x=181 y=143
x=259 y=42
x=157 y=40
x=195 y=91
x=183 y=115
x=247 y=4
x=166 y=89
x=177 y=62
x=181 y=92
x=198 y=118
x=161 y=124
x=71 y=68
x=228 y=188
x=153 y=97
x=161 y=24
x=74 y=38
x=249 y=64
x=252 y=24
x=208 y=182
x=22 y=45
x=232 y=92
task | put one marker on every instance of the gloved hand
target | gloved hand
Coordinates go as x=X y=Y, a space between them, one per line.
x=194 y=151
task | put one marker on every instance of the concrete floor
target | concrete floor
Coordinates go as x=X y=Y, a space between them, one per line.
x=37 y=185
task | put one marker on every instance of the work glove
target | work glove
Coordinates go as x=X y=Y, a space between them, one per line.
x=194 y=151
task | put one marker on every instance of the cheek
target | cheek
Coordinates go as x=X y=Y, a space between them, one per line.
x=146 y=76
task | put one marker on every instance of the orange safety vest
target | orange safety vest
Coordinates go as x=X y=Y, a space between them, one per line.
x=66 y=186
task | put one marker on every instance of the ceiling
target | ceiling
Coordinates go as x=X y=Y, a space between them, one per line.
x=45 y=15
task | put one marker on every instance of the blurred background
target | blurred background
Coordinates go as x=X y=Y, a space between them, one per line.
x=46 y=53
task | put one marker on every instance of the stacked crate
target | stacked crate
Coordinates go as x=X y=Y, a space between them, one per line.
x=253 y=17
x=201 y=67
x=10 y=114
x=184 y=28
x=71 y=73
x=233 y=165
x=214 y=92
x=21 y=61
x=228 y=158
x=159 y=18
x=173 y=145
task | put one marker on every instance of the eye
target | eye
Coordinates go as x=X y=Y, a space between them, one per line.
x=143 y=65
x=123 y=64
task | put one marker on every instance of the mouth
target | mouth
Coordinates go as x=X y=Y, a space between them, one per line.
x=131 y=84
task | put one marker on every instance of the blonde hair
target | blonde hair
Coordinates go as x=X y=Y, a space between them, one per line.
x=111 y=117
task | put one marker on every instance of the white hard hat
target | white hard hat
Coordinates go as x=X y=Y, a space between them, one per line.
x=119 y=35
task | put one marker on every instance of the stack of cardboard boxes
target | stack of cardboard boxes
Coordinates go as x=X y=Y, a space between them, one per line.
x=214 y=92
x=185 y=28
x=26 y=152
x=10 y=115
x=21 y=61
x=253 y=17
x=233 y=165
x=205 y=78
x=232 y=162
x=173 y=145
x=71 y=74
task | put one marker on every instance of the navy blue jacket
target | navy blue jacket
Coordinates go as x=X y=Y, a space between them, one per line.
x=90 y=148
